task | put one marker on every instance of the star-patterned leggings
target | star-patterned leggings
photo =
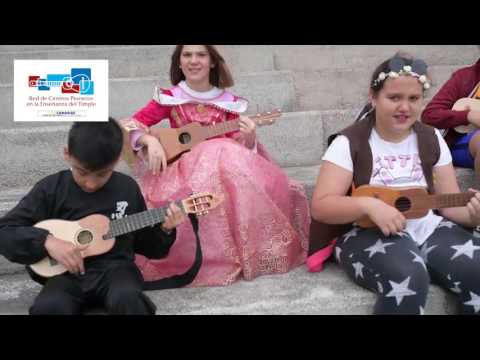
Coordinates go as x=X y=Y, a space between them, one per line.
x=400 y=272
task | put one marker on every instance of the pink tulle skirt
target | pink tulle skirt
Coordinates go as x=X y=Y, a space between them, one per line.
x=260 y=228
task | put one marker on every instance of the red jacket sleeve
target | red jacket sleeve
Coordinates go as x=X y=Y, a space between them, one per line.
x=438 y=112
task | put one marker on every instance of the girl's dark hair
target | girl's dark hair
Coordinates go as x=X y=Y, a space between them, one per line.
x=220 y=75
x=375 y=87
x=96 y=145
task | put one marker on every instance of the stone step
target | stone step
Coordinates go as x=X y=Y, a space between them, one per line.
x=296 y=140
x=286 y=90
x=329 y=292
x=299 y=58
x=140 y=61
x=154 y=60
x=347 y=88
x=266 y=91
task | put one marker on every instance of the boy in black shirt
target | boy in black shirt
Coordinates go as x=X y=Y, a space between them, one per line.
x=91 y=186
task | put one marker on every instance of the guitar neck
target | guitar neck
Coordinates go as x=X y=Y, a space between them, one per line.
x=138 y=221
x=221 y=128
x=447 y=200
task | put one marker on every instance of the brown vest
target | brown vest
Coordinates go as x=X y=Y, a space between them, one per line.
x=321 y=235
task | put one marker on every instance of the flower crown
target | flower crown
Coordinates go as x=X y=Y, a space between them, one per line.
x=398 y=67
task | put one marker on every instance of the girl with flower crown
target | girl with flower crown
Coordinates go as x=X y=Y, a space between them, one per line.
x=389 y=147
x=262 y=225
x=465 y=147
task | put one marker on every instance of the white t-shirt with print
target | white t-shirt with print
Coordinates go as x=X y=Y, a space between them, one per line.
x=394 y=165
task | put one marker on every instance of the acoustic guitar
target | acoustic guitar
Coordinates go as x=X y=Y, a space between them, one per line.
x=99 y=232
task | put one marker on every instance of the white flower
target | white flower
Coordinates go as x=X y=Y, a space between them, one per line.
x=382 y=76
x=426 y=86
x=393 y=74
x=407 y=68
x=422 y=79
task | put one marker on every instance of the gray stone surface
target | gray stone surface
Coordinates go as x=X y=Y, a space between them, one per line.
x=319 y=57
x=296 y=139
x=137 y=61
x=329 y=292
x=266 y=91
x=347 y=88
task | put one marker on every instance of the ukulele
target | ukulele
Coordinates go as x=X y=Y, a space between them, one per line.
x=177 y=141
x=99 y=232
x=413 y=203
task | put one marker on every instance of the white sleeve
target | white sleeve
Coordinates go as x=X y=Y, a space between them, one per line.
x=445 y=155
x=338 y=153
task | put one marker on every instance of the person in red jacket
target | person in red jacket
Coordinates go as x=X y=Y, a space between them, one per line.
x=464 y=83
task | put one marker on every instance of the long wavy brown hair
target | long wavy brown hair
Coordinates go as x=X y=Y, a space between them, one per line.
x=220 y=75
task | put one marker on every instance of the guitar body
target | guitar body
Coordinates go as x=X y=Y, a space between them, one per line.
x=177 y=141
x=88 y=230
x=91 y=230
x=464 y=104
x=407 y=201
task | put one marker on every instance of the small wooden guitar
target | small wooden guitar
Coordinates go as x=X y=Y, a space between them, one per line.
x=98 y=232
x=177 y=141
x=413 y=203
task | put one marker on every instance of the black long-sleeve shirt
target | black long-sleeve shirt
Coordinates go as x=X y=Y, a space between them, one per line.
x=59 y=197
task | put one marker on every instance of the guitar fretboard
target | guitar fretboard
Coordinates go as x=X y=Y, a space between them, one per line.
x=221 y=128
x=451 y=200
x=424 y=202
x=138 y=221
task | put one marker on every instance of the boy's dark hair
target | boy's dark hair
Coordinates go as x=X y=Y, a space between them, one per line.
x=96 y=145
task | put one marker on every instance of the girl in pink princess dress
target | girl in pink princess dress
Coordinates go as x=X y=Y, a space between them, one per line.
x=262 y=225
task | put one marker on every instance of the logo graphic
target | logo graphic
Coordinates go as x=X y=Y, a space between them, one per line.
x=60 y=90
x=79 y=81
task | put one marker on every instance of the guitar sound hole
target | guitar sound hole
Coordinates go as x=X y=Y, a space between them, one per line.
x=403 y=204
x=85 y=237
x=185 y=138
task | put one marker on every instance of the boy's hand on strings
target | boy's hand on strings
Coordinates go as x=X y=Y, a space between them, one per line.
x=66 y=253
x=156 y=157
x=174 y=217
x=386 y=217
x=473 y=208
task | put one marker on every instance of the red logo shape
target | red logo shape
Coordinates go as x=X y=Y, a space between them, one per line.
x=32 y=81
x=70 y=88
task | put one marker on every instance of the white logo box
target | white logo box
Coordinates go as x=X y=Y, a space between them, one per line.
x=38 y=95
